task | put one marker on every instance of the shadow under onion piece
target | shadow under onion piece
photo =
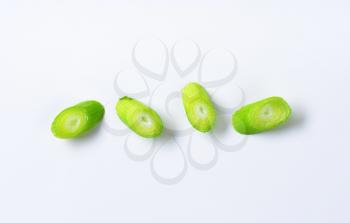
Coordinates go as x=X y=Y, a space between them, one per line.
x=261 y=116
x=77 y=120
x=140 y=118
x=199 y=108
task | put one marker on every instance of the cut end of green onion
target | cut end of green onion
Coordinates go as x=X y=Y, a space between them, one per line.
x=140 y=118
x=75 y=121
x=199 y=109
x=261 y=116
x=69 y=123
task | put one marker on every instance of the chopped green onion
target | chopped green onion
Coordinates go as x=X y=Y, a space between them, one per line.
x=261 y=116
x=77 y=120
x=140 y=118
x=199 y=108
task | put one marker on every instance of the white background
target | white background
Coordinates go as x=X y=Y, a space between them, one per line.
x=56 y=53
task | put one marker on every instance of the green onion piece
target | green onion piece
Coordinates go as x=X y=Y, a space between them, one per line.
x=261 y=116
x=77 y=120
x=140 y=118
x=199 y=108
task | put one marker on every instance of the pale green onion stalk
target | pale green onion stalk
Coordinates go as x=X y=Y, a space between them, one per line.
x=199 y=108
x=140 y=118
x=261 y=116
x=77 y=120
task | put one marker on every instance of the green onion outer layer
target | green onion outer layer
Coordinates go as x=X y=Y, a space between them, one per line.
x=140 y=118
x=77 y=120
x=261 y=116
x=199 y=108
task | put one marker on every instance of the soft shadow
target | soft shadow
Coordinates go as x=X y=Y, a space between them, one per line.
x=165 y=137
x=86 y=139
x=223 y=122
